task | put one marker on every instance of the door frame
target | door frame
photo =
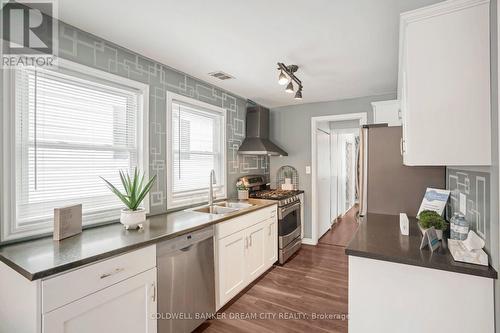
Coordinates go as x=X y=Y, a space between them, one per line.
x=362 y=118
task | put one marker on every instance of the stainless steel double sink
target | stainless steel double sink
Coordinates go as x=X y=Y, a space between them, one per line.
x=222 y=208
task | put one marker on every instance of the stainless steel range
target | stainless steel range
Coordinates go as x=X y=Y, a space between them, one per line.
x=289 y=221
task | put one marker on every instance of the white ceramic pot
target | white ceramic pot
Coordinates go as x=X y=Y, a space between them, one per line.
x=132 y=219
x=242 y=194
x=288 y=181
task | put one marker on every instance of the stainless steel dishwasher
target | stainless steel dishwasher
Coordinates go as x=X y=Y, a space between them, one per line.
x=186 y=281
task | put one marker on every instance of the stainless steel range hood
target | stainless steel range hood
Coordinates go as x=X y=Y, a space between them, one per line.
x=257 y=134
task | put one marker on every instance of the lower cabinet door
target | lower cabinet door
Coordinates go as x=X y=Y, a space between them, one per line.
x=231 y=267
x=271 y=242
x=126 y=307
x=255 y=254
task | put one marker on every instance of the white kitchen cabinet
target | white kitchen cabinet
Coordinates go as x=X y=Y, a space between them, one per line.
x=232 y=269
x=126 y=307
x=387 y=112
x=271 y=235
x=117 y=294
x=465 y=302
x=255 y=251
x=246 y=247
x=444 y=84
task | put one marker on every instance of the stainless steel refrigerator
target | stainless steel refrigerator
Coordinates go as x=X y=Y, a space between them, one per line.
x=384 y=185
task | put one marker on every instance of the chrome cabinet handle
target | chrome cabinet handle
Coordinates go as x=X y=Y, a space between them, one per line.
x=246 y=242
x=153 y=296
x=270 y=227
x=250 y=241
x=116 y=271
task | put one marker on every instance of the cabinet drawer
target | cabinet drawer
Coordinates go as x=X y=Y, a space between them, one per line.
x=67 y=287
x=231 y=226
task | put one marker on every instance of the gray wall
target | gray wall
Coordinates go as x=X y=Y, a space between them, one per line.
x=93 y=51
x=345 y=124
x=291 y=130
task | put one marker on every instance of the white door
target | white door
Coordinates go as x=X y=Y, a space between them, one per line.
x=255 y=257
x=271 y=242
x=323 y=181
x=126 y=307
x=231 y=266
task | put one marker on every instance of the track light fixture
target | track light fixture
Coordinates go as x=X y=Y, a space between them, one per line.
x=282 y=79
x=287 y=75
x=298 y=94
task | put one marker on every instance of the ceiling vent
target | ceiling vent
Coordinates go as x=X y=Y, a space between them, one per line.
x=221 y=75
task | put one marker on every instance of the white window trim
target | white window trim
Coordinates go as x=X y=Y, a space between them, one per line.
x=8 y=153
x=177 y=97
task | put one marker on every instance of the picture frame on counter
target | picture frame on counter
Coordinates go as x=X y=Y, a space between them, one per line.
x=67 y=221
x=430 y=239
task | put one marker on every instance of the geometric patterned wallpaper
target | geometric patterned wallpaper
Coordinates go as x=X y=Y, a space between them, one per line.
x=87 y=49
x=476 y=187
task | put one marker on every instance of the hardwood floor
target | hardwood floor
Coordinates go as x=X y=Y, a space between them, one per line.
x=342 y=232
x=286 y=299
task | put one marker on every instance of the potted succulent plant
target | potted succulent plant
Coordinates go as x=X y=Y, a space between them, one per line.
x=135 y=191
x=429 y=218
x=242 y=190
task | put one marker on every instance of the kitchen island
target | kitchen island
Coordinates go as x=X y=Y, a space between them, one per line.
x=396 y=287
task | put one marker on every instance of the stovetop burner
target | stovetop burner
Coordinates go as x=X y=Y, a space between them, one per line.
x=274 y=194
x=258 y=189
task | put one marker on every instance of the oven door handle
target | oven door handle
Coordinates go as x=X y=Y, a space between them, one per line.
x=287 y=210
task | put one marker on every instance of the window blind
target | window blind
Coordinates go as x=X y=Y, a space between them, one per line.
x=70 y=131
x=197 y=147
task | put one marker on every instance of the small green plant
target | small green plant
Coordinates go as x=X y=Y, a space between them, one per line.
x=241 y=186
x=429 y=218
x=288 y=174
x=135 y=189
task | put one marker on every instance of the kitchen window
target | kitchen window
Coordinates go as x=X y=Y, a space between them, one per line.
x=70 y=126
x=196 y=144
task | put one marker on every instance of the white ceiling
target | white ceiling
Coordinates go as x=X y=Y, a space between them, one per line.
x=345 y=48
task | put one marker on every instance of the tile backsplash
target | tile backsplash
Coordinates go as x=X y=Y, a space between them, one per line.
x=475 y=186
x=90 y=50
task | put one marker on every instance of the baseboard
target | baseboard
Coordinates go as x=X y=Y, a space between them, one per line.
x=309 y=241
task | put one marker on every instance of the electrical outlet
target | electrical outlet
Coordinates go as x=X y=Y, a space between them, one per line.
x=308 y=170
x=463 y=203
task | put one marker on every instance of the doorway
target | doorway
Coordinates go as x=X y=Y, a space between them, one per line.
x=344 y=152
x=335 y=140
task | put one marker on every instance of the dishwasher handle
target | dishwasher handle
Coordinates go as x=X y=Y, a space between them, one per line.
x=183 y=243
x=187 y=248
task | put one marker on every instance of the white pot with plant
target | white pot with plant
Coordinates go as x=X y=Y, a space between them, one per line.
x=242 y=191
x=133 y=215
x=429 y=218
x=288 y=177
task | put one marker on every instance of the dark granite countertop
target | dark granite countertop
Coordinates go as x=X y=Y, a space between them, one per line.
x=378 y=237
x=43 y=257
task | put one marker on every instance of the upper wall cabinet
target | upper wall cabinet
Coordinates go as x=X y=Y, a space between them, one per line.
x=444 y=84
x=387 y=112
